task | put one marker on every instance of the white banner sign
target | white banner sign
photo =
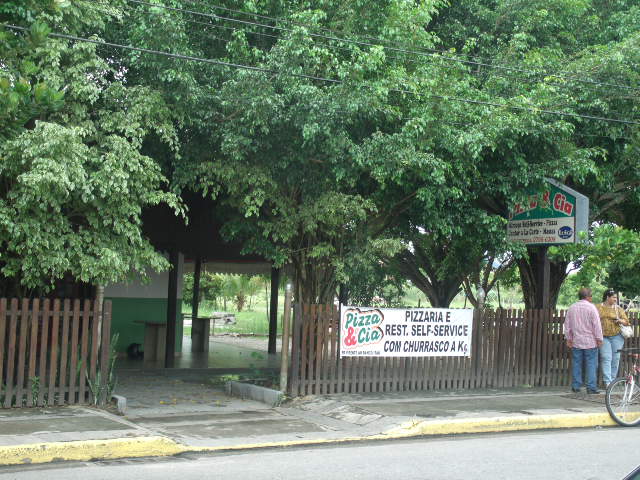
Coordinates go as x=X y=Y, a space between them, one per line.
x=542 y=230
x=414 y=332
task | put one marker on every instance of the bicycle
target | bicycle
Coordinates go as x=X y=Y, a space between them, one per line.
x=630 y=304
x=623 y=394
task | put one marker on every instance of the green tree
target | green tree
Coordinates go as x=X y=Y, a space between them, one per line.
x=240 y=288
x=323 y=147
x=73 y=178
x=459 y=254
x=367 y=279
x=211 y=286
x=568 y=55
x=609 y=257
x=308 y=171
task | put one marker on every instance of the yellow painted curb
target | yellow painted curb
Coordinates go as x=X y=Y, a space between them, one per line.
x=161 y=446
x=449 y=427
x=501 y=424
x=290 y=443
x=88 y=450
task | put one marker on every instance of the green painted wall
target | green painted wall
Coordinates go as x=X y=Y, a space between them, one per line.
x=127 y=311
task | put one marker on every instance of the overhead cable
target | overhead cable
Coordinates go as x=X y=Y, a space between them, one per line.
x=324 y=79
x=394 y=48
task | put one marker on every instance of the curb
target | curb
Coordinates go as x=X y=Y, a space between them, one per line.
x=449 y=427
x=501 y=424
x=271 y=397
x=89 y=450
x=156 y=446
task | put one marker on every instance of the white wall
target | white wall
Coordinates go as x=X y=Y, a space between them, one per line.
x=157 y=285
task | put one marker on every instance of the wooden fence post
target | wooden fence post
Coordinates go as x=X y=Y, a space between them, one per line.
x=295 y=350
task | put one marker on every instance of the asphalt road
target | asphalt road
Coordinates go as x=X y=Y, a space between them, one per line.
x=608 y=453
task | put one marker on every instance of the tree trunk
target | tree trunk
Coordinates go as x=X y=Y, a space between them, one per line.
x=240 y=301
x=531 y=273
x=315 y=281
x=445 y=292
x=479 y=283
x=439 y=290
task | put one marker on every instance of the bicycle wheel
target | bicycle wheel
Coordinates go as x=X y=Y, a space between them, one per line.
x=623 y=402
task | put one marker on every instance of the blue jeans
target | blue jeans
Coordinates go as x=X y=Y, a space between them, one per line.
x=610 y=358
x=590 y=357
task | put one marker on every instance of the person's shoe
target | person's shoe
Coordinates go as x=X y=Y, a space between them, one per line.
x=575 y=390
x=593 y=392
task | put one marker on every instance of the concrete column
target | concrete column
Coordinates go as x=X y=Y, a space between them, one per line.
x=172 y=308
x=199 y=330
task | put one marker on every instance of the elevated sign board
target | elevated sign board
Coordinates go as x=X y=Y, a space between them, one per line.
x=552 y=217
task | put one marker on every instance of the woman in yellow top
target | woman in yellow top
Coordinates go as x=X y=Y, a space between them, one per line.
x=611 y=317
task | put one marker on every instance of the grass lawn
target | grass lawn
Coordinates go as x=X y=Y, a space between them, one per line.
x=253 y=319
x=249 y=321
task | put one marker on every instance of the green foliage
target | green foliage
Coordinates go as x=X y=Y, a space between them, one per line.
x=295 y=162
x=569 y=290
x=609 y=250
x=35 y=389
x=22 y=99
x=102 y=388
x=73 y=177
x=211 y=287
x=368 y=281
x=240 y=288
x=579 y=41
x=625 y=280
x=609 y=257
x=329 y=176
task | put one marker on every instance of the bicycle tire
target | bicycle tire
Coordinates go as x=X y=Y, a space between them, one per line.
x=622 y=404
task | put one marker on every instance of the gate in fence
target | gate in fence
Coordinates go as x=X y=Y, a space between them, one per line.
x=54 y=352
x=510 y=348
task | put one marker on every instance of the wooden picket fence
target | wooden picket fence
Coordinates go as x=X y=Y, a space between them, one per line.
x=510 y=348
x=53 y=352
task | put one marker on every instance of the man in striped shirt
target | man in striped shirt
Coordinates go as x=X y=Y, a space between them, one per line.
x=583 y=332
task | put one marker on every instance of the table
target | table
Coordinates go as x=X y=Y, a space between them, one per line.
x=155 y=341
x=200 y=334
x=202 y=327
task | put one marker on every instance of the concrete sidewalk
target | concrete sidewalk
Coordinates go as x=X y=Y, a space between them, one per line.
x=169 y=416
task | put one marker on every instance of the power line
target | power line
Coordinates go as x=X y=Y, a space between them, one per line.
x=322 y=29
x=368 y=44
x=402 y=118
x=326 y=45
x=436 y=65
x=197 y=22
x=328 y=80
x=210 y=25
x=292 y=22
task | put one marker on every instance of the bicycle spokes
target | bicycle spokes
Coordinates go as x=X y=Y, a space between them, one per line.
x=623 y=401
